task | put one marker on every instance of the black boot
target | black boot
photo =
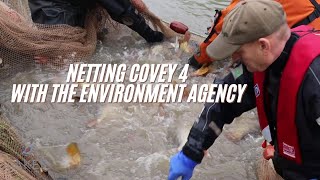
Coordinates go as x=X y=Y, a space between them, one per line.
x=142 y=28
x=137 y=23
x=194 y=63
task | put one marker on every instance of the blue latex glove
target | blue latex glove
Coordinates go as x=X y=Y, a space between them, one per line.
x=181 y=166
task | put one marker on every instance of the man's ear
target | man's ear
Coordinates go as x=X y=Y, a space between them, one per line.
x=264 y=45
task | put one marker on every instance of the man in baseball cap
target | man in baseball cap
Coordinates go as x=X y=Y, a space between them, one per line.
x=247 y=22
x=282 y=72
x=299 y=12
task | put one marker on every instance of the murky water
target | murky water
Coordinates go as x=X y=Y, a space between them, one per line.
x=132 y=141
x=196 y=14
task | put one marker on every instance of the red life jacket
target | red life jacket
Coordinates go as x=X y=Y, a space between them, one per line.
x=304 y=51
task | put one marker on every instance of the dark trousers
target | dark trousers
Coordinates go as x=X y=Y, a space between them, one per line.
x=73 y=12
x=57 y=12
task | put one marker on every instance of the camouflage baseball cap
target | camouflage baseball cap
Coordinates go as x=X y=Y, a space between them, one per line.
x=247 y=22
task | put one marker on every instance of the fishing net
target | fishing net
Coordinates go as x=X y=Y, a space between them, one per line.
x=16 y=160
x=266 y=171
x=11 y=170
x=23 y=43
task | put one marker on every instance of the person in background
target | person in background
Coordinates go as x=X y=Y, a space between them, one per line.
x=282 y=70
x=299 y=12
x=73 y=13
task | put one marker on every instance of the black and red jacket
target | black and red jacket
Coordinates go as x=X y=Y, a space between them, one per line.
x=305 y=123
